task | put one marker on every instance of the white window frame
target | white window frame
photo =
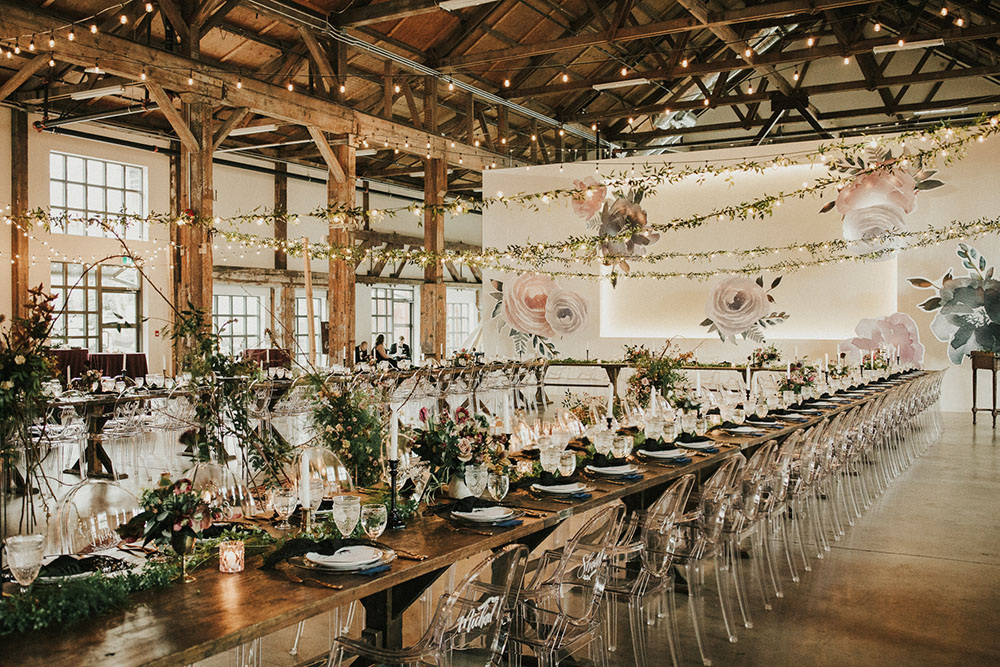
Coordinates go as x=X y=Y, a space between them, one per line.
x=246 y=331
x=301 y=350
x=380 y=292
x=95 y=192
x=93 y=308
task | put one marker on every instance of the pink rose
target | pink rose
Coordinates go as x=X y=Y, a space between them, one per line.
x=423 y=415
x=524 y=301
x=586 y=206
x=736 y=304
x=896 y=188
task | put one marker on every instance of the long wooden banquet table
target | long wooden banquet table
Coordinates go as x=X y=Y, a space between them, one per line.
x=185 y=623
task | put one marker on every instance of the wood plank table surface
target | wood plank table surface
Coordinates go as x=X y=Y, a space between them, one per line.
x=184 y=623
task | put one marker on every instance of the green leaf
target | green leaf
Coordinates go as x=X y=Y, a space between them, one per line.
x=776 y=282
x=929 y=184
x=931 y=304
x=706 y=322
x=760 y=281
x=922 y=283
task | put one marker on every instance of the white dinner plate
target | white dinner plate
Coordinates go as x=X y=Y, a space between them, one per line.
x=664 y=454
x=346 y=558
x=485 y=514
x=698 y=444
x=560 y=489
x=743 y=429
x=625 y=469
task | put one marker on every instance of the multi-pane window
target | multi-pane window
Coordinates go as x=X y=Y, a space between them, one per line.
x=87 y=189
x=238 y=320
x=100 y=310
x=392 y=314
x=459 y=324
x=302 y=326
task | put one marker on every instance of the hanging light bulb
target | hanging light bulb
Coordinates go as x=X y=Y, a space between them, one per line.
x=72 y=34
x=810 y=41
x=149 y=7
x=960 y=22
x=291 y=87
x=52 y=62
x=93 y=28
x=9 y=54
x=451 y=85
x=190 y=77
x=593 y=127
x=123 y=19
x=506 y=82
x=534 y=138
x=748 y=52
x=17 y=48
x=562 y=132
x=624 y=71
x=31 y=45
x=944 y=11
x=900 y=42
x=630 y=120
x=477 y=143
x=565 y=77
x=750 y=88
x=143 y=75
x=239 y=83
x=52 y=41
x=705 y=102
x=877 y=27
x=684 y=62
x=795 y=77
x=396 y=88
x=343 y=89
x=847 y=60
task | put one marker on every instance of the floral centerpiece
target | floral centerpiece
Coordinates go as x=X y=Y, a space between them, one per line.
x=655 y=370
x=463 y=357
x=450 y=440
x=25 y=364
x=175 y=514
x=798 y=378
x=348 y=422
x=764 y=356
x=583 y=406
x=877 y=359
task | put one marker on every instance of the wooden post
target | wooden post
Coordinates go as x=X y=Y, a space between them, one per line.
x=196 y=167
x=280 y=211
x=433 y=292
x=310 y=315
x=19 y=207
x=340 y=296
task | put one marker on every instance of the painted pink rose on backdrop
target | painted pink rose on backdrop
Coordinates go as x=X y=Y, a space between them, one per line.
x=524 y=302
x=736 y=304
x=898 y=330
x=895 y=188
x=586 y=207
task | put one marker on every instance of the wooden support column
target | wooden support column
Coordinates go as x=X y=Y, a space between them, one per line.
x=195 y=273
x=280 y=210
x=340 y=296
x=18 y=207
x=284 y=296
x=433 y=292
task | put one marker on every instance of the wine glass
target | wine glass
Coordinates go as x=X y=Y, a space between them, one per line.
x=317 y=489
x=549 y=458
x=603 y=440
x=498 y=484
x=760 y=407
x=346 y=513
x=420 y=474
x=739 y=415
x=476 y=477
x=24 y=557
x=567 y=464
x=621 y=446
x=373 y=519
x=283 y=501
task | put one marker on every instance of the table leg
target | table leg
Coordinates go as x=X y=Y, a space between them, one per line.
x=974 y=393
x=384 y=610
x=994 y=413
x=98 y=462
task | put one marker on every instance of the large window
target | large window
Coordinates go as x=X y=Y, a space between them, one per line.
x=238 y=319
x=101 y=310
x=86 y=189
x=463 y=316
x=302 y=325
x=392 y=313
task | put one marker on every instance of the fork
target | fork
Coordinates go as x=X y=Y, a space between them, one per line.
x=310 y=581
x=460 y=529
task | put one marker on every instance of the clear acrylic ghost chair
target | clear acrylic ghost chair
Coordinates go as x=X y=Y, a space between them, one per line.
x=214 y=480
x=560 y=610
x=640 y=570
x=473 y=621
x=698 y=536
x=87 y=517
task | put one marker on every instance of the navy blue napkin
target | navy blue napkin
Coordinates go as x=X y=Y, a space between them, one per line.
x=508 y=523
x=372 y=571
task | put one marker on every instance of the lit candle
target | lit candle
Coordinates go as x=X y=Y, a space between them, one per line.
x=697 y=383
x=163 y=362
x=343 y=354
x=826 y=362
x=267 y=356
x=788 y=371
x=796 y=351
x=611 y=401
x=231 y=556
x=68 y=378
x=748 y=377
x=305 y=493
x=506 y=414
x=652 y=403
x=394 y=436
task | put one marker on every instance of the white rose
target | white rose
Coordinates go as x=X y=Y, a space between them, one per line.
x=735 y=305
x=565 y=311
x=870 y=224
x=7 y=384
x=19 y=359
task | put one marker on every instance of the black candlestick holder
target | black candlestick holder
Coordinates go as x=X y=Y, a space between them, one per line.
x=395 y=520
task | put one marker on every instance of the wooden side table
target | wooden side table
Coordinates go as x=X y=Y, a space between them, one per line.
x=989 y=361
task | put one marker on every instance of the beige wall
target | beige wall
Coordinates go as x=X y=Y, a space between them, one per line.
x=824 y=303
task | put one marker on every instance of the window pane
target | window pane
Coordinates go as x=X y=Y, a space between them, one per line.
x=95 y=172
x=116 y=175
x=74 y=195
x=118 y=308
x=74 y=168
x=57 y=193
x=116 y=201
x=76 y=324
x=119 y=276
x=57 y=165
x=133 y=203
x=95 y=198
x=133 y=178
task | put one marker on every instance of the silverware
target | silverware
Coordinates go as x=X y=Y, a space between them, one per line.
x=406 y=555
x=463 y=529
x=311 y=582
x=548 y=499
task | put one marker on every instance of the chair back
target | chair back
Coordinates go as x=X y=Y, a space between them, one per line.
x=582 y=574
x=89 y=514
x=477 y=615
x=320 y=463
x=659 y=523
x=223 y=487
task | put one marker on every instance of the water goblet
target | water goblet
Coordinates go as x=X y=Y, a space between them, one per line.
x=24 y=557
x=567 y=464
x=603 y=441
x=317 y=489
x=739 y=415
x=760 y=407
x=621 y=446
x=283 y=502
x=788 y=397
x=498 y=484
x=476 y=477
x=689 y=419
x=346 y=513
x=654 y=427
x=374 y=517
x=701 y=426
x=549 y=458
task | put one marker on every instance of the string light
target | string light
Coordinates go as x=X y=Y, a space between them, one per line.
x=795 y=77
x=142 y=76
x=944 y=11
x=506 y=83
x=847 y=60
x=624 y=71
x=149 y=7
x=396 y=88
x=451 y=85
x=290 y=86
x=877 y=27
x=52 y=41
x=31 y=45
x=239 y=83
x=960 y=22
x=900 y=43
x=190 y=77
x=17 y=49
x=72 y=34
x=750 y=88
x=684 y=62
x=810 y=41
x=52 y=61
x=123 y=19
x=93 y=28
x=565 y=77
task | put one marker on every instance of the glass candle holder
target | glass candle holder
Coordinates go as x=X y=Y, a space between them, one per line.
x=231 y=556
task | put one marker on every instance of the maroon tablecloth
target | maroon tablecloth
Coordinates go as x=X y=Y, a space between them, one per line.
x=111 y=364
x=75 y=359
x=269 y=358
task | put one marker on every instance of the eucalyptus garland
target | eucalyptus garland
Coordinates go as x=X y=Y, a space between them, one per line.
x=75 y=601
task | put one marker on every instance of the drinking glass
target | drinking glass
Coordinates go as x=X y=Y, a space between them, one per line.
x=283 y=501
x=317 y=489
x=603 y=440
x=119 y=386
x=760 y=407
x=788 y=397
x=549 y=458
x=24 y=557
x=567 y=464
x=476 y=477
x=700 y=426
x=654 y=427
x=420 y=474
x=346 y=513
x=373 y=519
x=739 y=415
x=107 y=384
x=622 y=446
x=688 y=421
x=498 y=485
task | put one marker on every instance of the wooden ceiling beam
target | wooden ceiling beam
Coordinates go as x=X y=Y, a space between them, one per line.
x=227 y=126
x=393 y=10
x=172 y=11
x=216 y=83
x=777 y=58
x=780 y=9
x=173 y=116
x=337 y=170
x=28 y=70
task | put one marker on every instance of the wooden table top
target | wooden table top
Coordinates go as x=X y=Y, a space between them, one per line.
x=188 y=622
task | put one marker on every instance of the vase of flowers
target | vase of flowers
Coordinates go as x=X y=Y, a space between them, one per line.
x=448 y=441
x=175 y=514
x=799 y=377
x=765 y=356
x=660 y=370
x=463 y=358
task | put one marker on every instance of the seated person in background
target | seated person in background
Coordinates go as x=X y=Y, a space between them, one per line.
x=380 y=353
x=400 y=350
x=361 y=354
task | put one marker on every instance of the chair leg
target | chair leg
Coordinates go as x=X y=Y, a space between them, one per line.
x=725 y=599
x=696 y=602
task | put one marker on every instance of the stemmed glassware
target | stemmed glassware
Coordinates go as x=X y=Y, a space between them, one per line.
x=498 y=484
x=476 y=478
x=346 y=513
x=284 y=501
x=621 y=446
x=567 y=464
x=24 y=557
x=374 y=517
